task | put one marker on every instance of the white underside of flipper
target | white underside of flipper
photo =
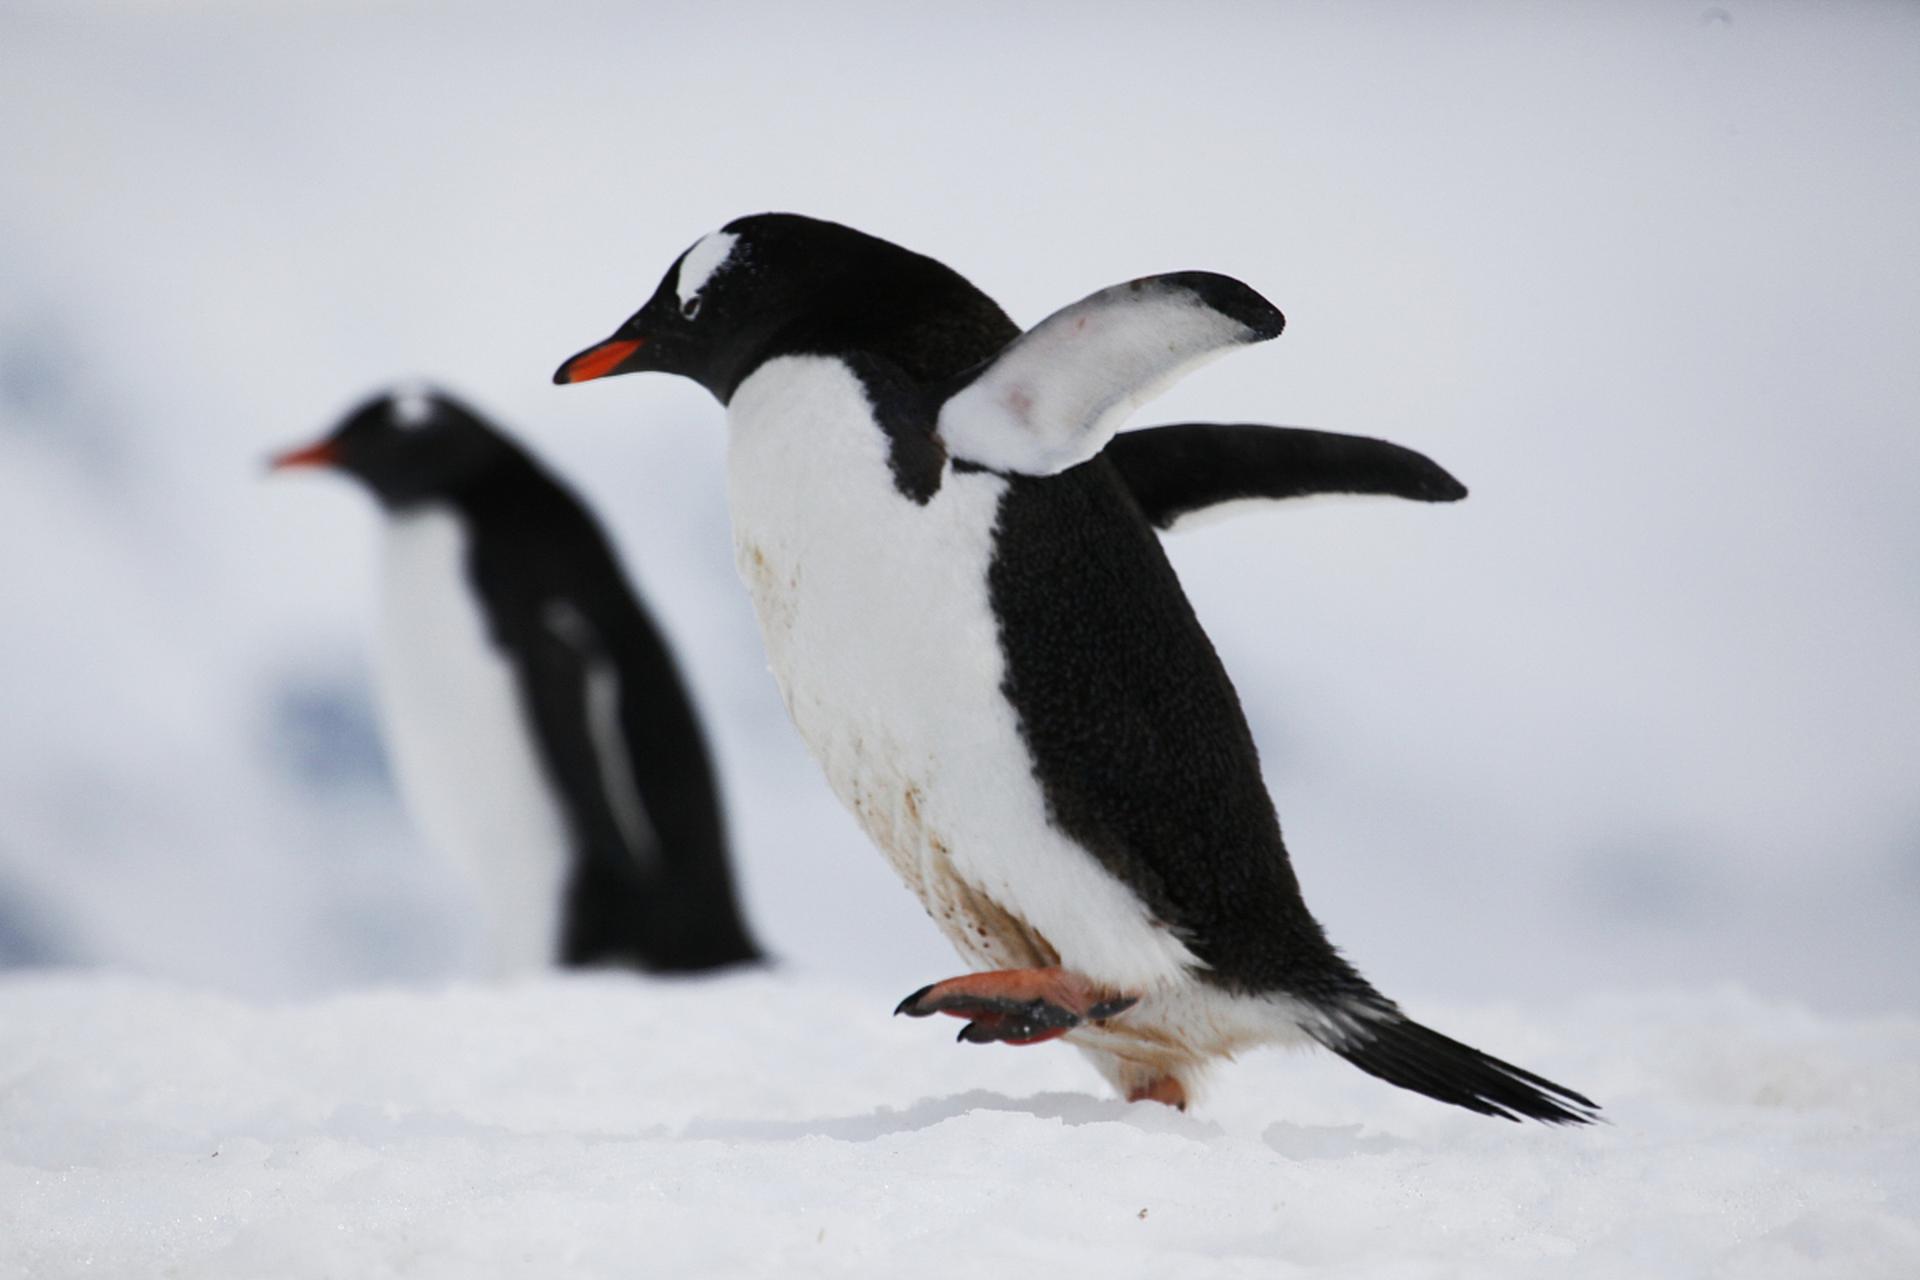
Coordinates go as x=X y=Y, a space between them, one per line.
x=880 y=633
x=461 y=742
x=1057 y=393
x=1234 y=508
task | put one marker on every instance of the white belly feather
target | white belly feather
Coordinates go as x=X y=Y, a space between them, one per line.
x=461 y=742
x=880 y=634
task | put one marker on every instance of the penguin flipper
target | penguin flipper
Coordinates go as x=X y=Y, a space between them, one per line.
x=1177 y=472
x=620 y=855
x=1054 y=396
x=650 y=886
x=1393 y=1047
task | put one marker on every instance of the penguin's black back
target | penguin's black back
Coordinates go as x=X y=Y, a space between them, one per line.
x=555 y=599
x=1137 y=736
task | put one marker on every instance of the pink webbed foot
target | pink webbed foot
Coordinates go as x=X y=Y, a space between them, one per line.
x=1017 y=1006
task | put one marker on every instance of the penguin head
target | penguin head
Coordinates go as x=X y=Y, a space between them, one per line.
x=408 y=447
x=776 y=284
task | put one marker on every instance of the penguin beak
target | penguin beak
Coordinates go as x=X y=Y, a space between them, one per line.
x=597 y=362
x=321 y=454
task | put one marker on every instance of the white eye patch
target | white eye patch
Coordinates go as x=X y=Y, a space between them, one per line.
x=411 y=407
x=700 y=262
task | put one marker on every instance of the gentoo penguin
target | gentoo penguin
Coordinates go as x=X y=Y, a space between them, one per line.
x=977 y=633
x=538 y=724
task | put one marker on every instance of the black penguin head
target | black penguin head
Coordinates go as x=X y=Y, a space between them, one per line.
x=778 y=284
x=408 y=447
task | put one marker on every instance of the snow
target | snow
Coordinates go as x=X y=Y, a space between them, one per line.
x=1612 y=769
x=767 y=1124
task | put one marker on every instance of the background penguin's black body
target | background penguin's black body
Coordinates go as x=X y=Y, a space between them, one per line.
x=1086 y=820
x=602 y=707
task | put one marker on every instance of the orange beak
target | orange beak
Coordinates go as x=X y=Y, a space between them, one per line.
x=596 y=362
x=323 y=454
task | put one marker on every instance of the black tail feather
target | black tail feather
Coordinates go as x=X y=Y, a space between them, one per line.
x=1402 y=1052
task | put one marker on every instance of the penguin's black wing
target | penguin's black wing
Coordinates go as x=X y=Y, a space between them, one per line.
x=1176 y=472
x=651 y=885
x=576 y=693
x=1054 y=396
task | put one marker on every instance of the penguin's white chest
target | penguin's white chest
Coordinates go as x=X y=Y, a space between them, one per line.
x=462 y=743
x=881 y=633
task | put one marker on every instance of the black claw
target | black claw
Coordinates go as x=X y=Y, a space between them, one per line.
x=1108 y=1008
x=1039 y=1016
x=995 y=1018
x=996 y=1027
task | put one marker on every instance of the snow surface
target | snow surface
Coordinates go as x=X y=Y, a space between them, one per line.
x=763 y=1125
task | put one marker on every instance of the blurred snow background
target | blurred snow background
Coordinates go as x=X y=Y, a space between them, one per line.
x=1643 y=711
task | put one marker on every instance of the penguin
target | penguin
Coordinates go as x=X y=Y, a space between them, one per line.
x=539 y=727
x=958 y=575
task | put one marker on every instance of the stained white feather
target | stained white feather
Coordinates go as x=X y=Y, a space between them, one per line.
x=881 y=636
x=461 y=742
x=1057 y=393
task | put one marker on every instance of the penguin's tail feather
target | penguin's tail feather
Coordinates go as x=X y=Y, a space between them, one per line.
x=1383 y=1042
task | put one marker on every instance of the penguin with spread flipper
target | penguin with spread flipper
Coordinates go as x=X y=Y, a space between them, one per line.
x=974 y=627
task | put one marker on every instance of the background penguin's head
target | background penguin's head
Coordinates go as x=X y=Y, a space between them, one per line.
x=408 y=447
x=777 y=284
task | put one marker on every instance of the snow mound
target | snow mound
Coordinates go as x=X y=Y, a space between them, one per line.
x=773 y=1124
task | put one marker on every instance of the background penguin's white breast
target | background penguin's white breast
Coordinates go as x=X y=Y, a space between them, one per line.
x=881 y=635
x=461 y=741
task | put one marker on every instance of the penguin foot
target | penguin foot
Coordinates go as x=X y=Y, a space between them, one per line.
x=1164 y=1089
x=1017 y=1006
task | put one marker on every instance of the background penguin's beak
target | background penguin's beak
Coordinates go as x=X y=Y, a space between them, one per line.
x=320 y=454
x=597 y=362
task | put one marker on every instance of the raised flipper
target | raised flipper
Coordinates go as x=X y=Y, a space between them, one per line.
x=1056 y=394
x=1179 y=472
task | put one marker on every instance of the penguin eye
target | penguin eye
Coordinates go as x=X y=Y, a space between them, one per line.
x=691 y=307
